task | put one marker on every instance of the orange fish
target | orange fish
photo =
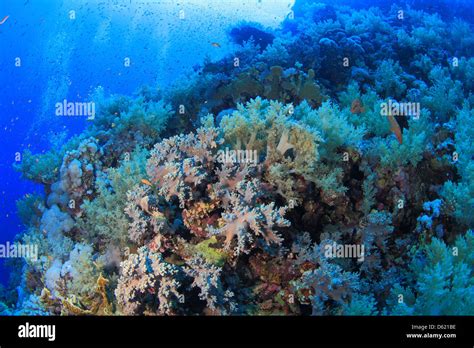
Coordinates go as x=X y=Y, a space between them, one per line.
x=357 y=107
x=395 y=128
x=216 y=44
x=4 y=20
x=146 y=182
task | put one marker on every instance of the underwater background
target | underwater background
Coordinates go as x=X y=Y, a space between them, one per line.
x=68 y=59
x=237 y=157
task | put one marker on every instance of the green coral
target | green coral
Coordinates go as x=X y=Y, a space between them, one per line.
x=443 y=280
x=360 y=305
x=431 y=32
x=459 y=196
x=44 y=168
x=464 y=72
x=369 y=190
x=389 y=79
x=415 y=141
x=126 y=122
x=333 y=125
x=310 y=134
x=276 y=53
x=369 y=118
x=364 y=21
x=148 y=118
x=443 y=95
x=246 y=128
x=211 y=254
x=269 y=127
x=29 y=209
x=104 y=217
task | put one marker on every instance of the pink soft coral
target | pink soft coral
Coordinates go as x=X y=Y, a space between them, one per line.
x=244 y=214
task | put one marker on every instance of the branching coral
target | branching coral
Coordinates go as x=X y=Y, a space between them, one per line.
x=147 y=285
x=238 y=219
x=104 y=216
x=415 y=141
x=460 y=196
x=333 y=126
x=181 y=165
x=328 y=282
x=207 y=279
x=443 y=280
x=444 y=94
x=270 y=127
x=294 y=153
x=389 y=80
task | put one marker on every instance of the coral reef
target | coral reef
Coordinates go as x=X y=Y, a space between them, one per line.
x=442 y=280
x=275 y=186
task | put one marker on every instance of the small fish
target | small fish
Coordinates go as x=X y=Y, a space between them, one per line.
x=395 y=128
x=4 y=20
x=146 y=182
x=144 y=204
x=357 y=107
x=216 y=44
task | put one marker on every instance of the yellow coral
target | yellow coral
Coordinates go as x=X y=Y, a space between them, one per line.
x=210 y=253
x=196 y=217
x=98 y=303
